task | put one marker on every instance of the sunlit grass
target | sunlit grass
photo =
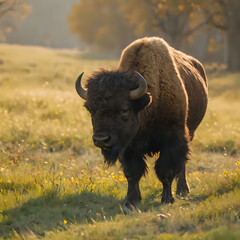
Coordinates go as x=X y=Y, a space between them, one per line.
x=54 y=184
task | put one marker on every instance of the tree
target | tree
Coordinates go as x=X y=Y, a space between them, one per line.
x=179 y=20
x=174 y=20
x=14 y=9
x=112 y=24
x=224 y=15
x=19 y=6
x=100 y=24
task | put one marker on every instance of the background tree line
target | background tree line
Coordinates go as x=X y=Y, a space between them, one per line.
x=16 y=9
x=194 y=26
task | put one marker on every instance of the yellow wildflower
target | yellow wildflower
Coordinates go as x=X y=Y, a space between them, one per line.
x=225 y=173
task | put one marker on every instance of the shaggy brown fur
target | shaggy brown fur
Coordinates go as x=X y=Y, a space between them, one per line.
x=163 y=120
x=176 y=81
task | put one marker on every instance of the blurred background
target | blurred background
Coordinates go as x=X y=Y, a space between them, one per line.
x=53 y=181
x=207 y=29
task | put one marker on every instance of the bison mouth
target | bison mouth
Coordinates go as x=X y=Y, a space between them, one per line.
x=111 y=154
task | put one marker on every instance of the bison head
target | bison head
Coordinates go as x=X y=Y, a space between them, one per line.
x=114 y=100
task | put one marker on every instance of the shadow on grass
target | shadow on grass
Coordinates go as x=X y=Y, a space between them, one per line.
x=52 y=212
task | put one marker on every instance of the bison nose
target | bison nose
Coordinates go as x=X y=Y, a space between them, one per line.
x=101 y=140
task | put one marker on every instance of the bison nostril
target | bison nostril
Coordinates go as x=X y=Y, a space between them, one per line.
x=101 y=140
x=107 y=140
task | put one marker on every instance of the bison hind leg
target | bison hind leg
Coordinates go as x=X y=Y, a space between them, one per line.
x=182 y=184
x=170 y=164
x=166 y=176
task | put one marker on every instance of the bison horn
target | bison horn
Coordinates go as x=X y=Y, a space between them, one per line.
x=81 y=92
x=142 y=88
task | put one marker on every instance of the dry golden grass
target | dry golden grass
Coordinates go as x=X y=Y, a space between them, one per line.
x=54 y=185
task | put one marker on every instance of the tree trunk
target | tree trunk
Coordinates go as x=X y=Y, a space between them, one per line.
x=233 y=34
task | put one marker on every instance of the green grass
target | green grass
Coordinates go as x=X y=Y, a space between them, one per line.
x=54 y=184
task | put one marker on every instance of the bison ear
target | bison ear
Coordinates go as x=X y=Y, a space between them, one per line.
x=142 y=102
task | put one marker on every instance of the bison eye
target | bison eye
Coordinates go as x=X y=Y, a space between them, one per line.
x=125 y=113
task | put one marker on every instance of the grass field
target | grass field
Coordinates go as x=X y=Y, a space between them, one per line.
x=54 y=185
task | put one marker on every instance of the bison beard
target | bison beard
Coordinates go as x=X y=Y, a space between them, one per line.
x=130 y=123
x=111 y=155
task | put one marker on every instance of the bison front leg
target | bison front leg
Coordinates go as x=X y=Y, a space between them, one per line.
x=173 y=156
x=134 y=167
x=133 y=196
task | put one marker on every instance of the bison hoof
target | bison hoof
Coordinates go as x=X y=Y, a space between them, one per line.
x=129 y=208
x=166 y=200
x=182 y=190
x=167 y=196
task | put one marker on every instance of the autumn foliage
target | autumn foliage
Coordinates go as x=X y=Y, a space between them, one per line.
x=14 y=10
x=107 y=26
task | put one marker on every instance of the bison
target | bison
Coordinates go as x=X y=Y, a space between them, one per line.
x=152 y=103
